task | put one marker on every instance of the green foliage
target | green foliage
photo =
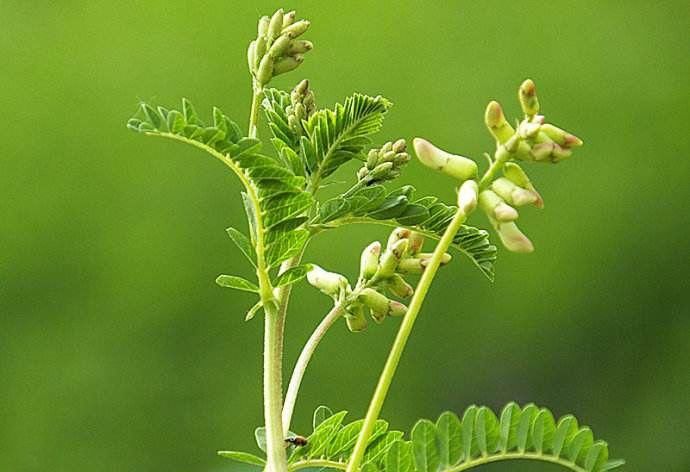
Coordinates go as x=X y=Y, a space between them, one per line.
x=330 y=138
x=292 y=275
x=453 y=444
x=282 y=213
x=275 y=198
x=399 y=207
x=238 y=283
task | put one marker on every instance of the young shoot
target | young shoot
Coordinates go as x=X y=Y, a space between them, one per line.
x=281 y=175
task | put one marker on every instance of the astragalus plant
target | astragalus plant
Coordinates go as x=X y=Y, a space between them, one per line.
x=282 y=179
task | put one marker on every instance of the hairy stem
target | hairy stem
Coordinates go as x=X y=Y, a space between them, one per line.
x=276 y=460
x=257 y=96
x=401 y=340
x=303 y=360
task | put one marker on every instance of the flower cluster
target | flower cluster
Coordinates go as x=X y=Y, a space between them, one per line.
x=276 y=49
x=384 y=163
x=302 y=106
x=533 y=140
x=382 y=276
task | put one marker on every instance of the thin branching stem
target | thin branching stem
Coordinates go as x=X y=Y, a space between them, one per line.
x=401 y=340
x=303 y=361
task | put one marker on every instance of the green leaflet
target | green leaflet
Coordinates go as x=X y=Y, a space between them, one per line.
x=292 y=275
x=274 y=197
x=275 y=104
x=425 y=447
x=399 y=207
x=253 y=310
x=243 y=244
x=238 y=283
x=260 y=437
x=320 y=415
x=336 y=136
x=454 y=444
x=332 y=137
x=243 y=457
x=399 y=457
x=333 y=441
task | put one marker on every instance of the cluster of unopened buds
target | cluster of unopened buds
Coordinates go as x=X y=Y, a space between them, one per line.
x=382 y=276
x=302 y=106
x=532 y=140
x=384 y=163
x=276 y=49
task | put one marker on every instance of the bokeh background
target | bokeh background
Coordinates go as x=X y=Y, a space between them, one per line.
x=119 y=353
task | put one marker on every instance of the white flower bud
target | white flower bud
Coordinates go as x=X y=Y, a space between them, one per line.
x=377 y=303
x=396 y=309
x=398 y=287
x=496 y=122
x=515 y=174
x=369 y=260
x=426 y=257
x=495 y=207
x=512 y=238
x=279 y=46
x=286 y=64
x=263 y=25
x=390 y=259
x=297 y=29
x=513 y=194
x=329 y=283
x=528 y=98
x=410 y=265
x=396 y=235
x=467 y=196
x=355 y=318
x=415 y=242
x=289 y=18
x=251 y=56
x=275 y=25
x=458 y=167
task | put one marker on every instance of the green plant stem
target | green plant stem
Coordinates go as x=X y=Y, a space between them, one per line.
x=276 y=460
x=303 y=361
x=501 y=156
x=274 y=318
x=401 y=340
x=257 y=96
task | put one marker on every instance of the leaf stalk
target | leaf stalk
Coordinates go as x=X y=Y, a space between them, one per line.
x=401 y=341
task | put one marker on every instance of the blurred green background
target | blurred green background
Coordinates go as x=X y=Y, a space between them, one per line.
x=119 y=353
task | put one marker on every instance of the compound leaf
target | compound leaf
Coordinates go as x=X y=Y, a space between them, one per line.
x=374 y=204
x=275 y=198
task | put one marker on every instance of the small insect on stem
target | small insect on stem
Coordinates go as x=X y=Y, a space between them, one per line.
x=298 y=441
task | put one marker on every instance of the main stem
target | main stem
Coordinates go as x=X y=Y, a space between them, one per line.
x=303 y=361
x=274 y=316
x=276 y=460
x=274 y=332
x=401 y=340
